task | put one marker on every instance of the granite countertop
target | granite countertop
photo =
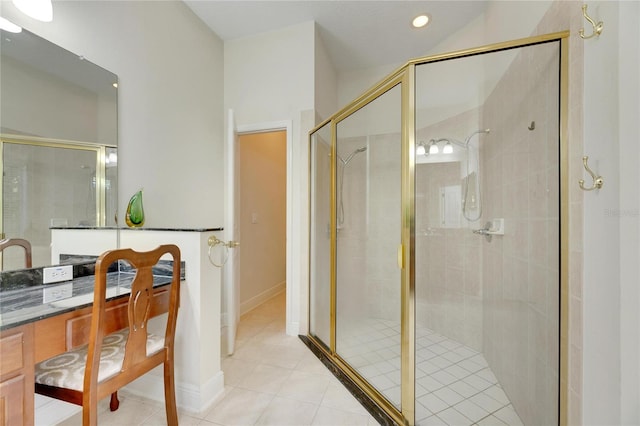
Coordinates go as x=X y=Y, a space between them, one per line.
x=24 y=305
x=121 y=228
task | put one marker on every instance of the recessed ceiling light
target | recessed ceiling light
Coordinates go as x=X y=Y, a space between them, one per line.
x=420 y=21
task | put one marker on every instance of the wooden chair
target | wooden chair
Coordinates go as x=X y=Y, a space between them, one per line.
x=91 y=372
x=8 y=242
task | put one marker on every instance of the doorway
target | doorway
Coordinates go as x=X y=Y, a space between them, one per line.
x=262 y=190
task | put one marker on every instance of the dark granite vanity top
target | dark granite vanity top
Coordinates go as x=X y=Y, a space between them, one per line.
x=140 y=229
x=22 y=302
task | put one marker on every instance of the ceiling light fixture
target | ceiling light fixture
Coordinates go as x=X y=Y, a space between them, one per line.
x=42 y=10
x=7 y=25
x=420 y=21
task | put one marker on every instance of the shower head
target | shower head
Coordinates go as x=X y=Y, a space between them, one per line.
x=466 y=142
x=357 y=151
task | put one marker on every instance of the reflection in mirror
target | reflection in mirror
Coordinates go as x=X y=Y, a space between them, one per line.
x=58 y=120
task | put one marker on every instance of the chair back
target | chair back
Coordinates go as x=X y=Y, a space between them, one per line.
x=8 y=242
x=137 y=361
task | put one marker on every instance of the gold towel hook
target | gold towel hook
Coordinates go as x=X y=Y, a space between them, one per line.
x=597 y=28
x=597 y=180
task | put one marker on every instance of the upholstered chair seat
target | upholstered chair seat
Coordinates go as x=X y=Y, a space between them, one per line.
x=67 y=370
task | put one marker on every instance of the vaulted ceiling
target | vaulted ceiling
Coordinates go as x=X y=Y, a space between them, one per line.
x=357 y=34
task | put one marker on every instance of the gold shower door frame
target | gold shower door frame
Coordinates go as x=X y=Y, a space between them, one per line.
x=404 y=76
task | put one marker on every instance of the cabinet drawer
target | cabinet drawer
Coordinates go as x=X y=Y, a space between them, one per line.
x=11 y=353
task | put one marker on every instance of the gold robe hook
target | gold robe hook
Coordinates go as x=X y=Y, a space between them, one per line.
x=597 y=28
x=597 y=180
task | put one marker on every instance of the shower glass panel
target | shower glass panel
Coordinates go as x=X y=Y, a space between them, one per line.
x=487 y=236
x=320 y=236
x=443 y=195
x=368 y=227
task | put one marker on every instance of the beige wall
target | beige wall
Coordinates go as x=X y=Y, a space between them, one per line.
x=262 y=191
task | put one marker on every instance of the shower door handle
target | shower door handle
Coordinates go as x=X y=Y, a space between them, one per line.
x=400 y=257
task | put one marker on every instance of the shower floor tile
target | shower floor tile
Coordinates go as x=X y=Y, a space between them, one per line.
x=454 y=383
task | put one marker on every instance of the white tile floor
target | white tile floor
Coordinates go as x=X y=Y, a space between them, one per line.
x=454 y=384
x=272 y=379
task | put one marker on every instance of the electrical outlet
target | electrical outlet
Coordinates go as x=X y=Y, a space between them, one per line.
x=56 y=274
x=57 y=292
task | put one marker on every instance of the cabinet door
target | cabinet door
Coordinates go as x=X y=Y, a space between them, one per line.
x=16 y=376
x=12 y=401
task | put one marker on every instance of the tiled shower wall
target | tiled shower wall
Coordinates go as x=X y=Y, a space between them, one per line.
x=501 y=297
x=567 y=15
x=521 y=270
x=371 y=202
x=351 y=248
x=448 y=260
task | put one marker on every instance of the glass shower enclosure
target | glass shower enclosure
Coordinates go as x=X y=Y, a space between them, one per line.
x=438 y=213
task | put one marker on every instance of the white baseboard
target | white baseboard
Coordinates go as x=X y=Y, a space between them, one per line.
x=191 y=398
x=259 y=299
x=293 y=328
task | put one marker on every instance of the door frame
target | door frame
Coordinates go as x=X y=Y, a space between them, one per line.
x=292 y=305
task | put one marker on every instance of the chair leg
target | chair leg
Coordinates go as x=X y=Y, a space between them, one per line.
x=170 y=394
x=90 y=408
x=114 y=403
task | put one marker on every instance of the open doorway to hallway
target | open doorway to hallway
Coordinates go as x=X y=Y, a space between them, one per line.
x=262 y=190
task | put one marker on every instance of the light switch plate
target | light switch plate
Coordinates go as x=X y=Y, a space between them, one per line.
x=56 y=274
x=57 y=292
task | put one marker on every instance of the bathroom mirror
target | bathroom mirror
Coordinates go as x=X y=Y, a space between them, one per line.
x=58 y=122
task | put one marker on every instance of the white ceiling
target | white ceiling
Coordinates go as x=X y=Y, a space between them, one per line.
x=357 y=34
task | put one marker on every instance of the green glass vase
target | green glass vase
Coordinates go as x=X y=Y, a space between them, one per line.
x=135 y=211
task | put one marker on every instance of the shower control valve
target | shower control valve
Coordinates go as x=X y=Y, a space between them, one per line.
x=494 y=227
